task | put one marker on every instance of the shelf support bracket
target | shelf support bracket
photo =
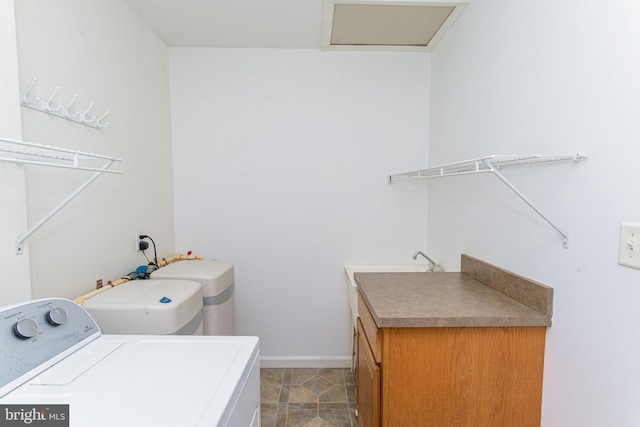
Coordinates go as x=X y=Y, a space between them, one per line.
x=62 y=204
x=565 y=237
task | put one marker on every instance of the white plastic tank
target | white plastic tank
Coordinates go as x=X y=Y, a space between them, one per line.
x=218 y=284
x=149 y=307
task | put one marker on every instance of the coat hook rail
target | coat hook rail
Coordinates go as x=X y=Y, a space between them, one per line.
x=47 y=105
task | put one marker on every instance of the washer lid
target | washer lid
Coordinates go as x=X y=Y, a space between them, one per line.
x=146 y=381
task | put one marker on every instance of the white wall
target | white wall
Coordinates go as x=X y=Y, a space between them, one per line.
x=15 y=284
x=553 y=78
x=101 y=51
x=280 y=159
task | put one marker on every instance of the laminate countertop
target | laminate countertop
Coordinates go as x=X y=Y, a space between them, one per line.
x=481 y=295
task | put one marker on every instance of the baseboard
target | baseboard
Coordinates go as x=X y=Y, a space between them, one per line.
x=305 y=362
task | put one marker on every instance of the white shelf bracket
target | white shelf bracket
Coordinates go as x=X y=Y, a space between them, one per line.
x=565 y=237
x=58 y=208
x=31 y=154
x=491 y=164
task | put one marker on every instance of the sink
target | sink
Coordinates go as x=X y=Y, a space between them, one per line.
x=353 y=289
x=383 y=268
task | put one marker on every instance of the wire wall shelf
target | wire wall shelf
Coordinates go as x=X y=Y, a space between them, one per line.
x=30 y=153
x=482 y=165
x=492 y=164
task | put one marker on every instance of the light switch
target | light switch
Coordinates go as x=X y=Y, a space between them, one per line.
x=629 y=254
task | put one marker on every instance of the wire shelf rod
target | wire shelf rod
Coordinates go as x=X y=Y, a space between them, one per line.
x=477 y=165
x=492 y=164
x=58 y=149
x=56 y=165
x=31 y=153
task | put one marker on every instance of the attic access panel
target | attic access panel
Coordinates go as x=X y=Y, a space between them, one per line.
x=409 y=25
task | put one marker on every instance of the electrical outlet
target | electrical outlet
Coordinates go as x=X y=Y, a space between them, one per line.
x=138 y=241
x=629 y=254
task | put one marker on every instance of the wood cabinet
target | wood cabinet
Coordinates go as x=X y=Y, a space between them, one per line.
x=448 y=376
x=368 y=380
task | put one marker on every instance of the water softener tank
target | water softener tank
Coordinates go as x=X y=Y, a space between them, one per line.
x=149 y=307
x=217 y=280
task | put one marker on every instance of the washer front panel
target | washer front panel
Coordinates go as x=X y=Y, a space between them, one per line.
x=35 y=335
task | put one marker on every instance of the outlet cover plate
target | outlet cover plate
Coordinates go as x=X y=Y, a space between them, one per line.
x=629 y=254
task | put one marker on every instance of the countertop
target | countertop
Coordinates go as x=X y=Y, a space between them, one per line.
x=482 y=295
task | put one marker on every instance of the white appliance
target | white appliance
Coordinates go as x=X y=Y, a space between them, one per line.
x=218 y=285
x=149 y=307
x=53 y=353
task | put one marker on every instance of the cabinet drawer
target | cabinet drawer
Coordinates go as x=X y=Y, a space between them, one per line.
x=373 y=334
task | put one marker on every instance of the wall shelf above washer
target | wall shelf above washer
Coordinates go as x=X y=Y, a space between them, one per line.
x=492 y=164
x=30 y=153
x=481 y=165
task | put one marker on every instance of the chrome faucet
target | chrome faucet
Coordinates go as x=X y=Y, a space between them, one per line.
x=433 y=266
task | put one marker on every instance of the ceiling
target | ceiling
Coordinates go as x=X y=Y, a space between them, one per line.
x=293 y=23
x=234 y=23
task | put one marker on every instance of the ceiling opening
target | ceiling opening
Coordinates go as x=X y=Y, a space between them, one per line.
x=362 y=25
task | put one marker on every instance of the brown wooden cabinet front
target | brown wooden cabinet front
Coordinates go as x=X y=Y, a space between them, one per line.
x=367 y=383
x=449 y=377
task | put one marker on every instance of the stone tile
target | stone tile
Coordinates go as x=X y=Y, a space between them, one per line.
x=349 y=376
x=318 y=384
x=298 y=394
x=317 y=422
x=336 y=376
x=269 y=392
x=300 y=375
x=284 y=393
x=267 y=417
x=337 y=393
x=281 y=419
x=302 y=405
x=300 y=417
x=333 y=405
x=351 y=393
x=286 y=379
x=268 y=405
x=335 y=417
x=272 y=375
x=307 y=397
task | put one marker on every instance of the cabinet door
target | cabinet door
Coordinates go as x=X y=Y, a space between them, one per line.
x=367 y=383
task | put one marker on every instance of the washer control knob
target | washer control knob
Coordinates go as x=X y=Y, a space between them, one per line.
x=57 y=316
x=25 y=329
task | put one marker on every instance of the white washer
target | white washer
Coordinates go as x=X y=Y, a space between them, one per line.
x=149 y=307
x=218 y=287
x=53 y=353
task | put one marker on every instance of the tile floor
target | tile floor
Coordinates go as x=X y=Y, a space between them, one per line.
x=295 y=397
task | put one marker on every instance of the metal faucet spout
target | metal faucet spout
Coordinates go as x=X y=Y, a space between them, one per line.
x=415 y=256
x=433 y=266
